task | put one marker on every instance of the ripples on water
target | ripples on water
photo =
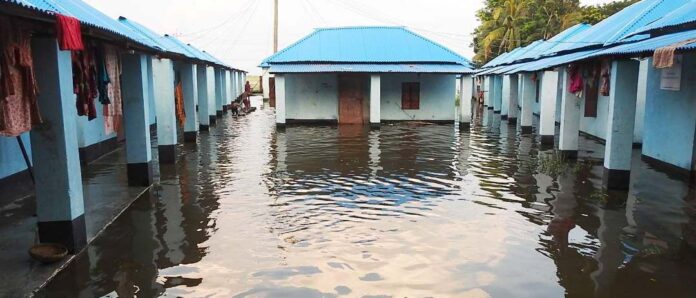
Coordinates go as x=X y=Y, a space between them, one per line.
x=407 y=210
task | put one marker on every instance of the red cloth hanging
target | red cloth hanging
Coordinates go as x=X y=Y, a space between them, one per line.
x=69 y=33
x=576 y=81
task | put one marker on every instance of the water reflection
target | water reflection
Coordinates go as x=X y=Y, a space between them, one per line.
x=407 y=210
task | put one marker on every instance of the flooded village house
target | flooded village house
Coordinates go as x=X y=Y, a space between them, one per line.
x=602 y=81
x=361 y=75
x=77 y=85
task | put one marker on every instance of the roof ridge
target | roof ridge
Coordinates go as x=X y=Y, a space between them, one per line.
x=359 y=27
x=645 y=12
x=437 y=44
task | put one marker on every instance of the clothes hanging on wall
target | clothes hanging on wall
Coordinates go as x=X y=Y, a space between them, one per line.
x=69 y=33
x=606 y=78
x=576 y=82
x=19 y=110
x=103 y=79
x=85 y=82
x=179 y=97
x=113 y=111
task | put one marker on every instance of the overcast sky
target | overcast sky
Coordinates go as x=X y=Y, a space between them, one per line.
x=239 y=32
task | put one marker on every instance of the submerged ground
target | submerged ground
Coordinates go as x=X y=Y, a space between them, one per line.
x=408 y=210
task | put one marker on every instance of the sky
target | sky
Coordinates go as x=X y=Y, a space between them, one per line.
x=240 y=32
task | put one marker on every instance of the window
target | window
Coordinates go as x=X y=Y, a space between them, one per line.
x=410 y=96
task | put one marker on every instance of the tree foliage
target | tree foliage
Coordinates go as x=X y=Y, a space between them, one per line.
x=507 y=24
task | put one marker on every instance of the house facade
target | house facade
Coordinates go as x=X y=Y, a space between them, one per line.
x=365 y=75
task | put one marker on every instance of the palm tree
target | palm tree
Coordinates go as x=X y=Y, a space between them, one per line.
x=506 y=36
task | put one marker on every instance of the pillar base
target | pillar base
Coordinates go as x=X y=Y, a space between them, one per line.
x=212 y=120
x=527 y=129
x=204 y=127
x=464 y=126
x=280 y=126
x=218 y=113
x=140 y=174
x=224 y=109
x=496 y=112
x=190 y=136
x=504 y=117
x=490 y=108
x=569 y=154
x=167 y=154
x=375 y=125
x=71 y=233
x=512 y=120
x=547 y=140
x=616 y=179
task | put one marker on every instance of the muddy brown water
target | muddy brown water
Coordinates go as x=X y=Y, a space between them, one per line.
x=404 y=211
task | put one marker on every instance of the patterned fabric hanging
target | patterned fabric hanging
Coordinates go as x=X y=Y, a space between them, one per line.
x=19 y=110
x=179 y=98
x=113 y=112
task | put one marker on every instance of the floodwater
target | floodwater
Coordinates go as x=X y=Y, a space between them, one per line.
x=404 y=211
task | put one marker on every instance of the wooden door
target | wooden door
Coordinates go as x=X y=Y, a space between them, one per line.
x=350 y=100
x=271 y=90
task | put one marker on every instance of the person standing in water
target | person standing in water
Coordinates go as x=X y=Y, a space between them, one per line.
x=247 y=95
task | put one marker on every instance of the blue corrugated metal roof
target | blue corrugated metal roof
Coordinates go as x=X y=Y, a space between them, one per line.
x=162 y=43
x=366 y=45
x=515 y=55
x=551 y=62
x=650 y=45
x=681 y=16
x=370 y=68
x=496 y=60
x=87 y=15
x=616 y=27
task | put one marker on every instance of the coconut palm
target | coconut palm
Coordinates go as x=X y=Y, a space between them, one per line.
x=507 y=20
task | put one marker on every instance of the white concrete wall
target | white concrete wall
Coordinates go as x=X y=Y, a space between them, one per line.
x=311 y=96
x=315 y=97
x=438 y=93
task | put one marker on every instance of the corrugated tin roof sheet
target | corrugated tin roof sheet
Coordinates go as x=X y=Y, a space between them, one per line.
x=370 y=68
x=162 y=43
x=618 y=26
x=366 y=45
x=683 y=15
x=650 y=45
x=551 y=62
x=87 y=15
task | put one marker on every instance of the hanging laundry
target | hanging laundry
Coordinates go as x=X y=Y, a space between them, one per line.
x=113 y=112
x=179 y=97
x=69 y=33
x=19 y=110
x=576 y=82
x=103 y=79
x=664 y=57
x=85 y=82
x=606 y=78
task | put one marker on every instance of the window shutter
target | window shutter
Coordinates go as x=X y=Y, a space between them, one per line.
x=415 y=96
x=405 y=96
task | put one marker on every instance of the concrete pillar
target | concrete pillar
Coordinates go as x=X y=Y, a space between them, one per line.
x=212 y=98
x=497 y=94
x=265 y=82
x=505 y=97
x=202 y=88
x=487 y=92
x=280 y=100
x=59 y=195
x=163 y=71
x=570 y=119
x=218 y=92
x=621 y=122
x=136 y=111
x=223 y=83
x=230 y=94
x=528 y=95
x=151 y=92
x=375 y=100
x=510 y=94
x=466 y=93
x=190 y=88
x=547 y=116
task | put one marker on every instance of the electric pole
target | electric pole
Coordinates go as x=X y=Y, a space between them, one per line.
x=275 y=26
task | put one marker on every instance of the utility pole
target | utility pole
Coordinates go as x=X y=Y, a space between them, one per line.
x=275 y=26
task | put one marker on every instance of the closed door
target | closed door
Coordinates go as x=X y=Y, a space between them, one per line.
x=350 y=100
x=271 y=90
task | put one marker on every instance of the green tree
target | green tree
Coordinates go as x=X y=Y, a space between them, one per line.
x=507 y=24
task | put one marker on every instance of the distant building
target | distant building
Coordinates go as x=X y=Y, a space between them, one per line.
x=361 y=75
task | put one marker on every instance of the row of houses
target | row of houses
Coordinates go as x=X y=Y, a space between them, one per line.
x=626 y=81
x=75 y=84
